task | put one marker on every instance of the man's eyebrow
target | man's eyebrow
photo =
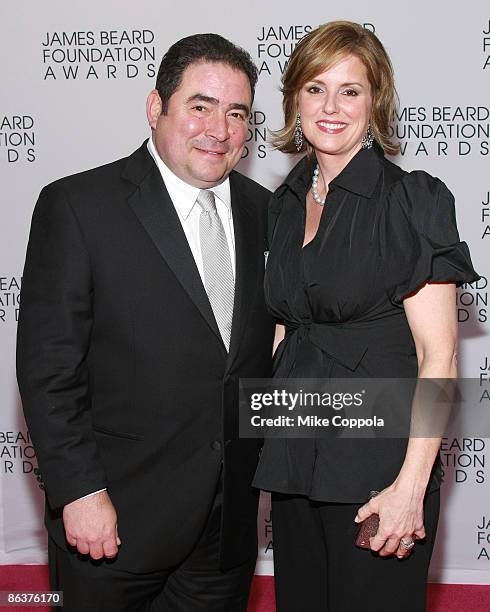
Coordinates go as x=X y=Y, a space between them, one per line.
x=238 y=106
x=214 y=101
x=202 y=98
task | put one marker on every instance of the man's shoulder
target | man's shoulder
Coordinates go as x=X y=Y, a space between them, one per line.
x=91 y=178
x=87 y=179
x=97 y=190
x=250 y=187
x=102 y=178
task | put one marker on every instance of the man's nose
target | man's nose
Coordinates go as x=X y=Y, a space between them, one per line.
x=218 y=127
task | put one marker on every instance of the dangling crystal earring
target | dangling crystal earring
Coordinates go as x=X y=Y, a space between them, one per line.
x=298 y=134
x=367 y=141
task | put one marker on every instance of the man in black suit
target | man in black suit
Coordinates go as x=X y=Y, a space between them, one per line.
x=142 y=305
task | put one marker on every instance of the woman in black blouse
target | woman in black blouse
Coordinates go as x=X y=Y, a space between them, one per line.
x=361 y=276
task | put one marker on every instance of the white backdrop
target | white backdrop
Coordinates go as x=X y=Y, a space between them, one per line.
x=74 y=79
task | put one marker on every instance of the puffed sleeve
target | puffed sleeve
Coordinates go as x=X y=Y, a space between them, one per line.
x=422 y=237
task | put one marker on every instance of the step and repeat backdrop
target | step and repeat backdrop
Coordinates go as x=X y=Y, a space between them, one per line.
x=74 y=80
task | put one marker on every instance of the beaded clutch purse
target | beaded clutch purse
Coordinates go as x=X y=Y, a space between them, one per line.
x=368 y=528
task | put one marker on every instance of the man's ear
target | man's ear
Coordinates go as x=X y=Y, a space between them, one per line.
x=153 y=108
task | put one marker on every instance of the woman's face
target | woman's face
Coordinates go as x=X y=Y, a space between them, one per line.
x=335 y=108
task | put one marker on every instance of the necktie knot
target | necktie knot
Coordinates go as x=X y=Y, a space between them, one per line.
x=206 y=201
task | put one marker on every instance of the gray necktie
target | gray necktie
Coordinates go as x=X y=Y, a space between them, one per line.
x=218 y=273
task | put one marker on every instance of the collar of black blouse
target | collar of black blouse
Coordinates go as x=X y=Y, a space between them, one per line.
x=360 y=176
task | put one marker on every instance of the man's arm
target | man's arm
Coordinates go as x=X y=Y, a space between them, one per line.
x=55 y=324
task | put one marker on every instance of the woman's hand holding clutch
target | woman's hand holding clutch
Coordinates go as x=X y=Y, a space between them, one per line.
x=400 y=512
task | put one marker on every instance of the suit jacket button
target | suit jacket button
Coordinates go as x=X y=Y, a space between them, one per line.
x=216 y=445
x=41 y=486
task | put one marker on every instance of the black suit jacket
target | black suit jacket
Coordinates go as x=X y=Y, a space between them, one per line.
x=124 y=378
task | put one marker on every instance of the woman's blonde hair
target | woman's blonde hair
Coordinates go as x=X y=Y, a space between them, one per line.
x=318 y=51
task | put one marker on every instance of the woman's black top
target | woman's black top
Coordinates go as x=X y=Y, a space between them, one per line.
x=383 y=233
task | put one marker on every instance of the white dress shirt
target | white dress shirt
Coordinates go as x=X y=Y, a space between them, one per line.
x=184 y=196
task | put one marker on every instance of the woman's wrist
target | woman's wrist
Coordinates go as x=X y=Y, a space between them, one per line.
x=414 y=484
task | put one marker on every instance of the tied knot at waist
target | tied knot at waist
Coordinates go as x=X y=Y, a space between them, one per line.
x=338 y=341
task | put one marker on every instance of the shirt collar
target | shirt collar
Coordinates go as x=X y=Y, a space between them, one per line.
x=181 y=193
x=360 y=175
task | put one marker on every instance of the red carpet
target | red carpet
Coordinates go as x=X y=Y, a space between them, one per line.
x=442 y=597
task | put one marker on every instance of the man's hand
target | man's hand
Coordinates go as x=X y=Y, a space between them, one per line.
x=91 y=526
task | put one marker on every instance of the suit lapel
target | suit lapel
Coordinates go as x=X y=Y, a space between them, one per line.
x=156 y=212
x=245 y=228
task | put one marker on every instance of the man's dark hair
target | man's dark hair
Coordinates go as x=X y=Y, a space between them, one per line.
x=200 y=48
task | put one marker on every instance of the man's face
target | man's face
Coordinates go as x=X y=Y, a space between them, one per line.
x=201 y=138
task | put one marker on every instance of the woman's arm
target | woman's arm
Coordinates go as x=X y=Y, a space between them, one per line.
x=278 y=337
x=431 y=314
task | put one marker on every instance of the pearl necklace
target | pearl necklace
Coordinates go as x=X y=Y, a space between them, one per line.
x=314 y=187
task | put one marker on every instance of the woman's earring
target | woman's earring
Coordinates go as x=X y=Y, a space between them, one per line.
x=298 y=134
x=367 y=141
